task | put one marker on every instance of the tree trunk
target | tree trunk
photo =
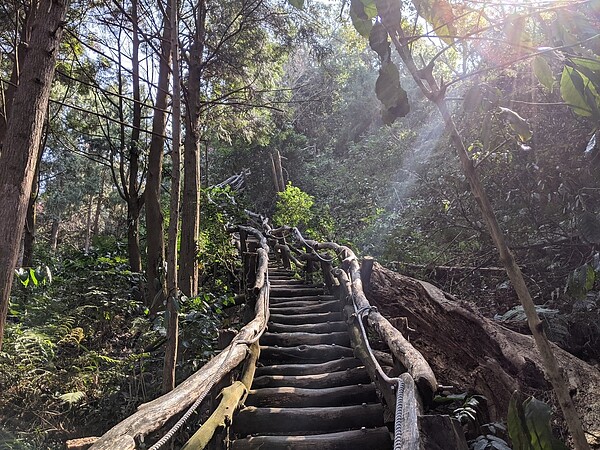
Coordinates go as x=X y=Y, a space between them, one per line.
x=88 y=225
x=22 y=139
x=96 y=226
x=20 y=51
x=173 y=289
x=154 y=219
x=54 y=234
x=31 y=218
x=475 y=354
x=135 y=199
x=190 y=212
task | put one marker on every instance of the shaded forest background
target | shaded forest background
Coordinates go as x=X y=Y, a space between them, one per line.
x=85 y=334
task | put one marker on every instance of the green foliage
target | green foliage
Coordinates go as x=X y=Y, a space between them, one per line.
x=529 y=425
x=293 y=207
x=35 y=276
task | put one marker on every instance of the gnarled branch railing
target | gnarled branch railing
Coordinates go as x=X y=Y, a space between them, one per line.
x=152 y=416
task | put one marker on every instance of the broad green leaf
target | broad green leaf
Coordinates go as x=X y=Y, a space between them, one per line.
x=370 y=8
x=543 y=72
x=590 y=277
x=573 y=87
x=378 y=41
x=362 y=23
x=387 y=84
x=517 y=427
x=518 y=124
x=516 y=32
x=299 y=4
x=439 y=14
x=537 y=417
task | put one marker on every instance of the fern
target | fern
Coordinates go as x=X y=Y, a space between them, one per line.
x=72 y=397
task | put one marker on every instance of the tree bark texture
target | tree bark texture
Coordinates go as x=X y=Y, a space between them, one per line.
x=31 y=217
x=134 y=197
x=190 y=211
x=172 y=281
x=473 y=353
x=154 y=217
x=19 y=57
x=22 y=141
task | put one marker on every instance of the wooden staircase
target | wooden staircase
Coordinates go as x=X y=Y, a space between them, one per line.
x=310 y=392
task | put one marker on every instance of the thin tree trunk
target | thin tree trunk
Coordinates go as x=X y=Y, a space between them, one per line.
x=551 y=367
x=190 y=212
x=88 y=225
x=274 y=174
x=154 y=218
x=134 y=200
x=31 y=218
x=54 y=234
x=279 y=171
x=173 y=296
x=96 y=226
x=22 y=140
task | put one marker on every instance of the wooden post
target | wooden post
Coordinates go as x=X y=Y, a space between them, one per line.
x=366 y=268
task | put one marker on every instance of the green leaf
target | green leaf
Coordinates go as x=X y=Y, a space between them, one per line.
x=577 y=90
x=543 y=72
x=378 y=41
x=32 y=277
x=390 y=94
x=589 y=227
x=362 y=23
x=72 y=397
x=299 y=4
x=537 y=417
x=369 y=8
x=439 y=14
x=518 y=124
x=517 y=427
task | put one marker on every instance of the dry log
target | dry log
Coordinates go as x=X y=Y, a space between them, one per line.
x=80 y=443
x=153 y=415
x=409 y=435
x=317 y=381
x=261 y=270
x=309 y=369
x=280 y=397
x=357 y=439
x=324 y=327
x=231 y=397
x=293 y=421
x=473 y=353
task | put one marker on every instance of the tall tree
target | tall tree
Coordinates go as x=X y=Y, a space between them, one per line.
x=21 y=143
x=154 y=219
x=172 y=282
x=190 y=212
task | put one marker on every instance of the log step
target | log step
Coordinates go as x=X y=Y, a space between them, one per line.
x=304 y=353
x=324 y=327
x=333 y=306
x=309 y=369
x=372 y=439
x=347 y=377
x=286 y=396
x=306 y=318
x=295 y=291
x=313 y=298
x=298 y=421
x=295 y=339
